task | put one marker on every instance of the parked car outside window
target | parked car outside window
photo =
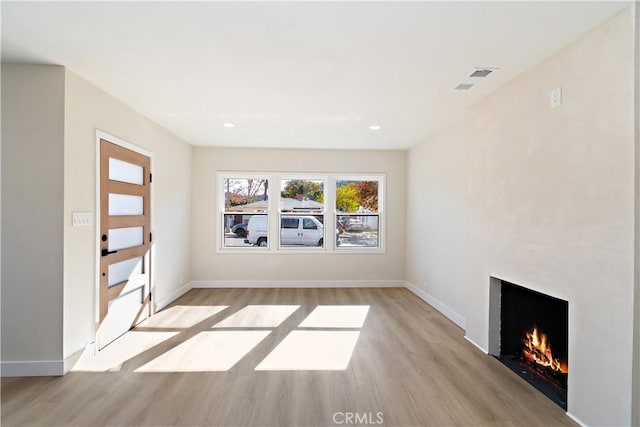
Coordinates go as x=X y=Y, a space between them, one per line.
x=354 y=225
x=240 y=230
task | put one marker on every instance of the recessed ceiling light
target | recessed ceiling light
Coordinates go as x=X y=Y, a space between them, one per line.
x=375 y=127
x=228 y=125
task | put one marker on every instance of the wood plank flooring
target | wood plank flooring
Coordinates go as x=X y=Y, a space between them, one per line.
x=409 y=363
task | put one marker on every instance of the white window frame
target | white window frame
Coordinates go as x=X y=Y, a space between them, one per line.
x=381 y=180
x=221 y=211
x=274 y=214
x=306 y=177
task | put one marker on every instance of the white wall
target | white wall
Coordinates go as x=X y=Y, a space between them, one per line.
x=224 y=267
x=551 y=207
x=89 y=108
x=436 y=220
x=32 y=215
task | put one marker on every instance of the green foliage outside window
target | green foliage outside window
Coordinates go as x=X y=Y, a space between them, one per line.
x=350 y=195
x=309 y=190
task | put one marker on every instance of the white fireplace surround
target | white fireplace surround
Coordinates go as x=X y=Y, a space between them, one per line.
x=495 y=300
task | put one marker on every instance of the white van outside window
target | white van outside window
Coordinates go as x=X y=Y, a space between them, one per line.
x=294 y=231
x=301 y=231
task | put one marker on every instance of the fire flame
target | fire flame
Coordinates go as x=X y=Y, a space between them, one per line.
x=538 y=350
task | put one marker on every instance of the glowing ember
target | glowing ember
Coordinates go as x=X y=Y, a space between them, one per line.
x=538 y=350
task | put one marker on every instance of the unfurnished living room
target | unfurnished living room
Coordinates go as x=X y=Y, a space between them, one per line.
x=324 y=213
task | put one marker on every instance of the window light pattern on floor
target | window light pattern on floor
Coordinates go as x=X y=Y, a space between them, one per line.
x=258 y=316
x=145 y=337
x=125 y=348
x=336 y=316
x=323 y=341
x=319 y=350
x=312 y=351
x=207 y=351
x=182 y=316
x=220 y=350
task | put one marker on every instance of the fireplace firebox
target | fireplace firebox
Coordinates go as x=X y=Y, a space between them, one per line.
x=534 y=339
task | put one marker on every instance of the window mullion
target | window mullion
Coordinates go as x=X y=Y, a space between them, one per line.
x=330 y=213
x=274 y=212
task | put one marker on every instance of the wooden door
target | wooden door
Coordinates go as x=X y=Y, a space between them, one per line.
x=125 y=240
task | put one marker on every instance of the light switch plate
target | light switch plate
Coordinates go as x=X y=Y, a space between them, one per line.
x=81 y=218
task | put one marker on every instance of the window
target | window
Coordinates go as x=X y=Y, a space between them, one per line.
x=357 y=212
x=302 y=212
x=290 y=223
x=308 y=224
x=246 y=212
x=309 y=213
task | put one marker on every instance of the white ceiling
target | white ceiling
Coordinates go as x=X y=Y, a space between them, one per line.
x=304 y=74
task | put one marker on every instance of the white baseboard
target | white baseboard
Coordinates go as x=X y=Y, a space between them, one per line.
x=476 y=344
x=438 y=305
x=298 y=283
x=70 y=361
x=162 y=303
x=576 y=419
x=33 y=368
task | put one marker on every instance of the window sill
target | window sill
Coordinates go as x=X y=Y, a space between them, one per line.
x=295 y=251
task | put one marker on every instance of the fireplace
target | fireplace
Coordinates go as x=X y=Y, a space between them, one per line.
x=534 y=339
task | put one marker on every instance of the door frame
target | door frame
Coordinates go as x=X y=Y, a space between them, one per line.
x=99 y=134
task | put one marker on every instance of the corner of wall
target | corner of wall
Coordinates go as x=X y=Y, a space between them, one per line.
x=449 y=313
x=635 y=416
x=165 y=301
x=436 y=219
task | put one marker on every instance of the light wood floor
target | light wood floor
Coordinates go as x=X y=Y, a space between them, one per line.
x=409 y=363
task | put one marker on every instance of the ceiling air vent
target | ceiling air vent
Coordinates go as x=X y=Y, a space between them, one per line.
x=464 y=86
x=481 y=73
x=477 y=75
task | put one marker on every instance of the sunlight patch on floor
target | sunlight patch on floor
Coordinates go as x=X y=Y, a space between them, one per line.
x=258 y=316
x=207 y=351
x=336 y=316
x=115 y=354
x=312 y=351
x=182 y=316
